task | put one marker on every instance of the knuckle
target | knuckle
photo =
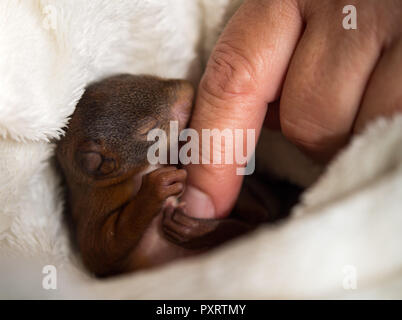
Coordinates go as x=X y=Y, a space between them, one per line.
x=306 y=133
x=179 y=186
x=229 y=72
x=312 y=120
x=163 y=179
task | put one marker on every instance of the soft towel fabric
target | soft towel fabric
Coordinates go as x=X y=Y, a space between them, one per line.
x=342 y=241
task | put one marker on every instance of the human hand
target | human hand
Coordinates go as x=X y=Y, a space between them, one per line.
x=331 y=81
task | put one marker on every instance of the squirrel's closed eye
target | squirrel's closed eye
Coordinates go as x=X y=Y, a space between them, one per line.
x=148 y=125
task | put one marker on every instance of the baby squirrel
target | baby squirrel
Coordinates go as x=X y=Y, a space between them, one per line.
x=118 y=201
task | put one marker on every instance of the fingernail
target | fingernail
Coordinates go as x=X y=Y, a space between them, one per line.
x=198 y=203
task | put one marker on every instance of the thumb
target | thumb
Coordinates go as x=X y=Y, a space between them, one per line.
x=244 y=73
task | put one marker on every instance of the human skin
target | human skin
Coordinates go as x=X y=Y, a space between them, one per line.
x=329 y=81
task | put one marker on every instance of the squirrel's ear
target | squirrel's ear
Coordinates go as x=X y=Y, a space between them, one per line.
x=92 y=161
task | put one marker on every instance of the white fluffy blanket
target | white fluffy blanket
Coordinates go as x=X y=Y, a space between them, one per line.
x=342 y=241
